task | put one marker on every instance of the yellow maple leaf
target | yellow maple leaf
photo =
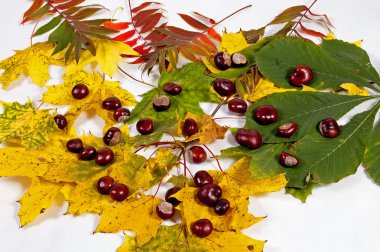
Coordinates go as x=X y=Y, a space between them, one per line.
x=208 y=131
x=137 y=214
x=175 y=238
x=264 y=88
x=232 y=42
x=25 y=125
x=37 y=199
x=353 y=89
x=236 y=218
x=34 y=61
x=107 y=56
x=99 y=90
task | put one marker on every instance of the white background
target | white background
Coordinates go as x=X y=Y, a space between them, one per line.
x=341 y=217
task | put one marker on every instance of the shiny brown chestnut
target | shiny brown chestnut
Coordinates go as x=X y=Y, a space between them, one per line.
x=287 y=129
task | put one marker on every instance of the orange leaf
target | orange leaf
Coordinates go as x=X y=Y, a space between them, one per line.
x=311 y=32
x=193 y=22
x=117 y=26
x=213 y=34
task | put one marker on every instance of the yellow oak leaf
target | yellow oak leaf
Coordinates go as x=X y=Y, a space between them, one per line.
x=34 y=61
x=175 y=238
x=37 y=199
x=137 y=214
x=208 y=129
x=107 y=56
x=232 y=42
x=353 y=89
x=29 y=126
x=264 y=88
x=98 y=91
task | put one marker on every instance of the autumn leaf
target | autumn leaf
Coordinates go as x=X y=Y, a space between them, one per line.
x=99 y=90
x=37 y=199
x=33 y=61
x=108 y=56
x=264 y=88
x=208 y=129
x=30 y=127
x=123 y=216
x=236 y=218
x=353 y=89
x=232 y=42
x=195 y=89
x=175 y=238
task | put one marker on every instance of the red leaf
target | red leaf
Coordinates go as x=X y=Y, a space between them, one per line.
x=35 y=6
x=213 y=34
x=69 y=4
x=141 y=49
x=210 y=20
x=188 y=55
x=200 y=43
x=143 y=16
x=132 y=42
x=137 y=61
x=124 y=36
x=117 y=26
x=324 y=16
x=193 y=22
x=207 y=41
x=311 y=32
x=182 y=32
x=155 y=18
x=197 y=50
x=143 y=5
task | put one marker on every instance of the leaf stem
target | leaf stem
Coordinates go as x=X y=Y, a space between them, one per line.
x=302 y=17
x=213 y=156
x=218 y=107
x=133 y=78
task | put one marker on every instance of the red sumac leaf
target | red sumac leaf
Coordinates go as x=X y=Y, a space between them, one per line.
x=200 y=43
x=182 y=32
x=213 y=34
x=143 y=16
x=35 y=6
x=188 y=55
x=132 y=42
x=124 y=36
x=143 y=6
x=311 y=32
x=193 y=22
x=117 y=26
x=210 y=20
x=69 y=4
x=155 y=18
x=141 y=49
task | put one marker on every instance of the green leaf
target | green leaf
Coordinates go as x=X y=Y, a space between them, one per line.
x=263 y=161
x=195 y=89
x=372 y=155
x=277 y=60
x=25 y=123
x=178 y=180
x=328 y=160
x=352 y=57
x=249 y=53
x=307 y=109
x=49 y=26
x=301 y=194
x=62 y=36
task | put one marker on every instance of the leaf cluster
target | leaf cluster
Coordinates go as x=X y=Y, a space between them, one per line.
x=69 y=25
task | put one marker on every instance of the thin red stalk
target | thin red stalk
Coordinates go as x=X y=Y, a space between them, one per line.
x=154 y=144
x=184 y=161
x=34 y=29
x=187 y=169
x=230 y=117
x=159 y=184
x=213 y=155
x=303 y=15
x=218 y=107
x=133 y=78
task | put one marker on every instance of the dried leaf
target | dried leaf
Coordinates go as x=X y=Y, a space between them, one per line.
x=208 y=131
x=233 y=42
